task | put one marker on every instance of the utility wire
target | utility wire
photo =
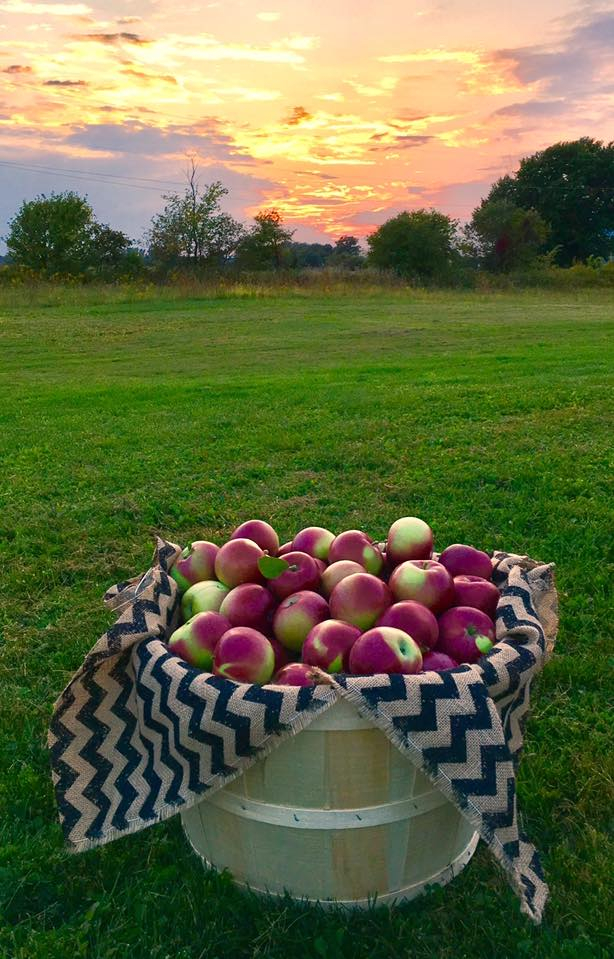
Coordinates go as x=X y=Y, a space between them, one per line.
x=113 y=179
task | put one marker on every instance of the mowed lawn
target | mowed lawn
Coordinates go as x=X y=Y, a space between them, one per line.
x=488 y=416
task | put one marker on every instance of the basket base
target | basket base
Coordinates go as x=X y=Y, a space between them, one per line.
x=397 y=897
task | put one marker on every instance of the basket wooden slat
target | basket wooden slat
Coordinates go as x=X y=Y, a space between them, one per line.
x=335 y=813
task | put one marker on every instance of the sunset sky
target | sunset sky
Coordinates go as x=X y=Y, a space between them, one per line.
x=339 y=113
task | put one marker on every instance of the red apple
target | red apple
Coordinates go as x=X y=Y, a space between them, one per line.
x=477 y=592
x=245 y=655
x=286 y=548
x=294 y=674
x=302 y=574
x=355 y=545
x=259 y=532
x=314 y=540
x=409 y=538
x=336 y=572
x=203 y=598
x=360 y=600
x=196 y=640
x=196 y=564
x=328 y=645
x=385 y=650
x=247 y=605
x=296 y=616
x=424 y=581
x=321 y=565
x=237 y=562
x=415 y=619
x=282 y=655
x=465 y=634
x=437 y=662
x=461 y=560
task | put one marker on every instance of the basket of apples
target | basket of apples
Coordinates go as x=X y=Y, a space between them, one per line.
x=256 y=612
x=335 y=813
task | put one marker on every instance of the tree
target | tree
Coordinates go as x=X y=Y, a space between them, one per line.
x=59 y=234
x=347 y=253
x=266 y=245
x=192 y=229
x=571 y=185
x=309 y=255
x=418 y=245
x=505 y=237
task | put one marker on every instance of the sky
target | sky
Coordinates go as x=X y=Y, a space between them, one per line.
x=338 y=113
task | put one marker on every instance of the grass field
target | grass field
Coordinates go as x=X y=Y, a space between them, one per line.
x=485 y=415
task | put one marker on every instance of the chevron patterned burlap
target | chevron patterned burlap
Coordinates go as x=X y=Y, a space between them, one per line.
x=138 y=735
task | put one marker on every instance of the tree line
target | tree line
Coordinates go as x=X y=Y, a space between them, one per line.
x=557 y=208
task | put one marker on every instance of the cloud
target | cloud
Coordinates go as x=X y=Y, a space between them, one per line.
x=297 y=116
x=50 y=9
x=17 y=68
x=288 y=51
x=65 y=83
x=438 y=55
x=268 y=17
x=111 y=39
x=534 y=108
x=568 y=68
x=205 y=138
x=150 y=77
x=381 y=88
x=402 y=141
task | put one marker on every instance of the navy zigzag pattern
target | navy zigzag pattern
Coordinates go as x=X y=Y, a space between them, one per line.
x=90 y=752
x=121 y=675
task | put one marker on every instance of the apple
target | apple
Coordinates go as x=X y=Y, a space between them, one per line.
x=334 y=573
x=259 y=532
x=245 y=655
x=359 y=599
x=465 y=634
x=286 y=548
x=437 y=662
x=355 y=545
x=196 y=563
x=424 y=581
x=302 y=574
x=385 y=650
x=415 y=619
x=196 y=640
x=314 y=540
x=247 y=605
x=237 y=562
x=461 y=560
x=328 y=645
x=320 y=564
x=477 y=592
x=294 y=674
x=282 y=655
x=296 y=615
x=203 y=598
x=409 y=538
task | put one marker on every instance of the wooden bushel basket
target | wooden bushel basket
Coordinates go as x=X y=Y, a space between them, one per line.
x=335 y=813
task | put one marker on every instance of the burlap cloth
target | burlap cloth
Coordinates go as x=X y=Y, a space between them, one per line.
x=138 y=735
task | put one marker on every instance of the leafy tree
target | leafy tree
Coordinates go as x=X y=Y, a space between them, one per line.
x=503 y=236
x=192 y=229
x=267 y=245
x=347 y=253
x=59 y=234
x=571 y=185
x=309 y=255
x=418 y=245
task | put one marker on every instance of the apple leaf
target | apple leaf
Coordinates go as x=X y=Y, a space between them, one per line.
x=272 y=566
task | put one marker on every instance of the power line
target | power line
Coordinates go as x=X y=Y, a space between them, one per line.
x=111 y=179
